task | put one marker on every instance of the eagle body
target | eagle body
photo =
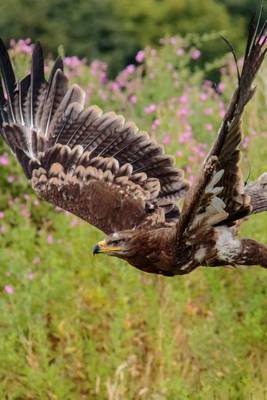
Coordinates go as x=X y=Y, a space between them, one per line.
x=106 y=171
x=218 y=247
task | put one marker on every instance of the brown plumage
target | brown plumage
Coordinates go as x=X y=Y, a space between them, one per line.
x=107 y=172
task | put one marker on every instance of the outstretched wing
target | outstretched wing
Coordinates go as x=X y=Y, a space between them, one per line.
x=94 y=165
x=206 y=202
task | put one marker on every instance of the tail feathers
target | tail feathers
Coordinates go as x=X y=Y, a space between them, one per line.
x=258 y=194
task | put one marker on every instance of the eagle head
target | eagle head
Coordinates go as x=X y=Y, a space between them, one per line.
x=118 y=244
x=148 y=250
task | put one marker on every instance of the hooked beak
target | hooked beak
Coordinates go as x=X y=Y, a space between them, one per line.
x=102 y=247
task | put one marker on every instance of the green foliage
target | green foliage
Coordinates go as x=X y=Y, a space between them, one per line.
x=75 y=326
x=113 y=30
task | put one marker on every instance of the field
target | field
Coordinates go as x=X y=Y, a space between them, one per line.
x=78 y=327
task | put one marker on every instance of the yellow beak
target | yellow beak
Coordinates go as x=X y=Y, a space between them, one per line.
x=101 y=247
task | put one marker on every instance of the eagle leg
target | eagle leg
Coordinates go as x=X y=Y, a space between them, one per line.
x=252 y=253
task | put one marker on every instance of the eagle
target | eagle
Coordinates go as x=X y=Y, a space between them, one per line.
x=107 y=172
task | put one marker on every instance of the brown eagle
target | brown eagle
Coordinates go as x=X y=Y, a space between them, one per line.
x=110 y=174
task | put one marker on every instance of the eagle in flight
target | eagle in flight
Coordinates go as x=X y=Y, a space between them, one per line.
x=107 y=172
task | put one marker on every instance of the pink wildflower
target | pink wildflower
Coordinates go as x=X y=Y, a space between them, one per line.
x=179 y=153
x=140 y=56
x=221 y=87
x=2 y=214
x=185 y=137
x=209 y=127
x=150 y=109
x=155 y=123
x=22 y=46
x=203 y=96
x=115 y=86
x=73 y=62
x=10 y=178
x=166 y=139
x=180 y=52
x=246 y=142
x=50 y=239
x=133 y=99
x=183 y=99
x=208 y=111
x=9 y=289
x=30 y=276
x=183 y=112
x=74 y=222
x=195 y=55
x=130 y=69
x=4 y=160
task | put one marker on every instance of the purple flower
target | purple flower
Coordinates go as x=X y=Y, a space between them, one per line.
x=140 y=56
x=2 y=214
x=9 y=289
x=196 y=54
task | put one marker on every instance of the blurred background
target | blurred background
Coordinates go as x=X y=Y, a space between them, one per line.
x=79 y=327
x=114 y=30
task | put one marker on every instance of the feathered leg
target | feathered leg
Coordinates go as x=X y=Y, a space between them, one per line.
x=229 y=250
x=252 y=253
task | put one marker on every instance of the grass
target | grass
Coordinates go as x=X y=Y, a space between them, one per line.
x=83 y=327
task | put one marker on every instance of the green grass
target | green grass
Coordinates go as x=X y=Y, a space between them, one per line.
x=84 y=327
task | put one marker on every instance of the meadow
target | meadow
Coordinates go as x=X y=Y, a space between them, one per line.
x=74 y=326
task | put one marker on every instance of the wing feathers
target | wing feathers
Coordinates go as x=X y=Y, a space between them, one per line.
x=37 y=80
x=8 y=79
x=51 y=126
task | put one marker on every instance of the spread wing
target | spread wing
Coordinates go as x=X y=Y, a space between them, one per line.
x=218 y=196
x=95 y=165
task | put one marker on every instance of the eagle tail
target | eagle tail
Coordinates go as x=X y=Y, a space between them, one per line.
x=258 y=194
